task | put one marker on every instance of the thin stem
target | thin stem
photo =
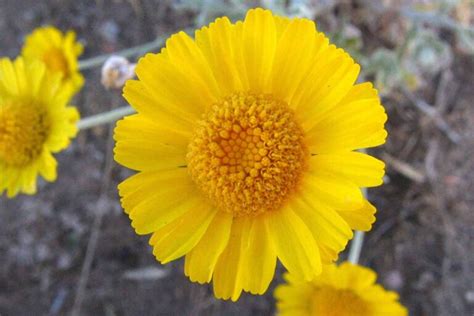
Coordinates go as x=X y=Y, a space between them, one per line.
x=356 y=247
x=129 y=52
x=358 y=240
x=104 y=118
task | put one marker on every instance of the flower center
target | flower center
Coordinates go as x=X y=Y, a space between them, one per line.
x=56 y=61
x=247 y=154
x=23 y=131
x=338 y=302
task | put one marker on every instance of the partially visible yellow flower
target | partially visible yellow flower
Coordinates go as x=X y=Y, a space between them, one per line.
x=35 y=122
x=245 y=142
x=59 y=52
x=345 y=290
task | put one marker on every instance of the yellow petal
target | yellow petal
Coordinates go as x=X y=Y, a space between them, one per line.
x=349 y=126
x=28 y=179
x=294 y=53
x=361 y=91
x=202 y=259
x=259 y=258
x=281 y=23
x=63 y=128
x=37 y=72
x=331 y=77
x=142 y=144
x=332 y=190
x=179 y=237
x=173 y=89
x=227 y=281
x=259 y=43
x=327 y=253
x=384 y=302
x=218 y=44
x=188 y=58
x=294 y=244
x=8 y=82
x=13 y=183
x=361 y=218
x=164 y=114
x=21 y=77
x=138 y=127
x=47 y=166
x=186 y=55
x=354 y=276
x=156 y=199
x=327 y=226
x=362 y=169
x=144 y=185
x=293 y=300
x=144 y=155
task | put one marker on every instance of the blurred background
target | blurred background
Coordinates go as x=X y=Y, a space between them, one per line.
x=71 y=250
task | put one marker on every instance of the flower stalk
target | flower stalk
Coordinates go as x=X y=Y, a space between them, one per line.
x=356 y=247
x=104 y=118
x=358 y=240
x=129 y=52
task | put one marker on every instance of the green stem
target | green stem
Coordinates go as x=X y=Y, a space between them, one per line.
x=104 y=118
x=358 y=240
x=356 y=247
x=129 y=52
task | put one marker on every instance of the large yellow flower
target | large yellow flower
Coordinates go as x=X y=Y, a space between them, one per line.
x=58 y=51
x=35 y=122
x=244 y=142
x=345 y=290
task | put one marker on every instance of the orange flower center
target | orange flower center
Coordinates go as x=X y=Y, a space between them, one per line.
x=23 y=131
x=330 y=301
x=248 y=154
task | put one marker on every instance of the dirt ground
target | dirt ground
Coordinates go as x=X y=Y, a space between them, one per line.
x=421 y=246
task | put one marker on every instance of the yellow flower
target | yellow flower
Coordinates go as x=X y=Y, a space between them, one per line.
x=244 y=144
x=345 y=290
x=34 y=123
x=59 y=52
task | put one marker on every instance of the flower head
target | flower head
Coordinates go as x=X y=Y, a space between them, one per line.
x=244 y=142
x=345 y=290
x=59 y=52
x=35 y=122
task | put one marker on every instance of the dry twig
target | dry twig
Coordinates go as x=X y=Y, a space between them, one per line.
x=434 y=114
x=430 y=158
x=404 y=168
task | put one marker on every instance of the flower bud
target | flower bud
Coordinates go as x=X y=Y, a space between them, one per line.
x=116 y=71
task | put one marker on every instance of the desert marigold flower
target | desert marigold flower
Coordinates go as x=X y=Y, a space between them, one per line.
x=244 y=142
x=345 y=290
x=35 y=122
x=58 y=51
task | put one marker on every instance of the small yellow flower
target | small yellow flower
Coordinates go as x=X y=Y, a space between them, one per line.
x=345 y=290
x=35 y=122
x=59 y=52
x=244 y=142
